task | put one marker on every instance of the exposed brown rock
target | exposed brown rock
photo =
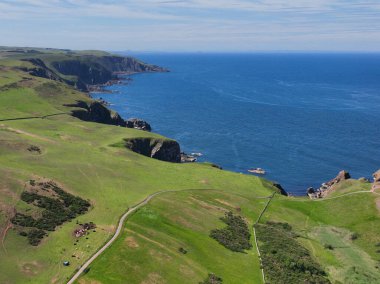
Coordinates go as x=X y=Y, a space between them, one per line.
x=327 y=186
x=376 y=181
x=376 y=176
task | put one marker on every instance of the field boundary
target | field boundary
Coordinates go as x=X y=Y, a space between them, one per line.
x=254 y=234
x=34 y=117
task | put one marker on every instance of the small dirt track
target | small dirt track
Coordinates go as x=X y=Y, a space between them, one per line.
x=115 y=236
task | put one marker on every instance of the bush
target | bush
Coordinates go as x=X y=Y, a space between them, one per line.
x=235 y=236
x=354 y=236
x=212 y=279
x=57 y=210
x=330 y=247
x=182 y=250
x=35 y=236
x=284 y=259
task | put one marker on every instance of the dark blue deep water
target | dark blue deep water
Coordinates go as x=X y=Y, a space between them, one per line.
x=302 y=117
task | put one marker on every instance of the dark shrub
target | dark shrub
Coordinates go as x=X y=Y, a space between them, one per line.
x=35 y=236
x=284 y=260
x=57 y=210
x=235 y=236
x=212 y=279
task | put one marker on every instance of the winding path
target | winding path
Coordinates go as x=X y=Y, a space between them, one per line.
x=115 y=236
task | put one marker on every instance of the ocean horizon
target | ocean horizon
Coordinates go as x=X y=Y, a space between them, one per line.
x=302 y=117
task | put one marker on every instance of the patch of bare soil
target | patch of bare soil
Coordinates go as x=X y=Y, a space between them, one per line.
x=159 y=256
x=187 y=271
x=131 y=242
x=153 y=278
x=206 y=205
x=31 y=268
x=19 y=131
x=225 y=203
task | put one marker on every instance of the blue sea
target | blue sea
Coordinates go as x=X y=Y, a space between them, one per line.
x=301 y=117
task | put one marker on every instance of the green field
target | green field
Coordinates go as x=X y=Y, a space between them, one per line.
x=80 y=156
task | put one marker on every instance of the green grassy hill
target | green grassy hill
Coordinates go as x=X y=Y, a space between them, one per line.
x=168 y=240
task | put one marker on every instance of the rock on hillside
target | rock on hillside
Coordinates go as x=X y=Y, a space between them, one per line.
x=138 y=124
x=160 y=149
x=376 y=181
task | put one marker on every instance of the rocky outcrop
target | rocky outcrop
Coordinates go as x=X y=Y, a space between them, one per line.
x=138 y=124
x=41 y=70
x=327 y=186
x=160 y=149
x=97 y=112
x=376 y=181
x=187 y=158
x=281 y=190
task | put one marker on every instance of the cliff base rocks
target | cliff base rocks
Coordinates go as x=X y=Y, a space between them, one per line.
x=327 y=186
x=138 y=124
x=376 y=181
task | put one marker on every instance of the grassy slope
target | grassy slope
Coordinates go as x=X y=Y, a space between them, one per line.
x=333 y=222
x=77 y=155
x=148 y=248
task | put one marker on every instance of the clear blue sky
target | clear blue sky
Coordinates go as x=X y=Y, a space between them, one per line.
x=193 y=25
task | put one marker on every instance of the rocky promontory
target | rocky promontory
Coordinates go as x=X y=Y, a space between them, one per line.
x=160 y=149
x=326 y=187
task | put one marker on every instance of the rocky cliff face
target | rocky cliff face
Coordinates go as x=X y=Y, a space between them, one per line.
x=41 y=70
x=164 y=150
x=281 y=190
x=97 y=112
x=128 y=64
x=87 y=70
x=87 y=73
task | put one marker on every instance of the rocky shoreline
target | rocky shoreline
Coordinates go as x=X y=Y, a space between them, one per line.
x=327 y=187
x=97 y=112
x=159 y=148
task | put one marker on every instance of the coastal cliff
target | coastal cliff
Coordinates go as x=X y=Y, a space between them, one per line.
x=160 y=149
x=85 y=71
x=96 y=112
